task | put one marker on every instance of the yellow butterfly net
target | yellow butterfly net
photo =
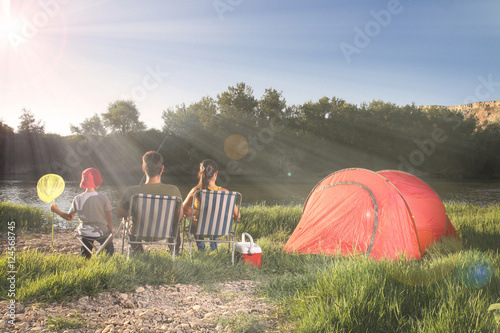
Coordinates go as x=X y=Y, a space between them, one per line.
x=49 y=187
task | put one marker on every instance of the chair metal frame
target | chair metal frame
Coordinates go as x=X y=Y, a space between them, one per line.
x=158 y=218
x=214 y=218
x=98 y=249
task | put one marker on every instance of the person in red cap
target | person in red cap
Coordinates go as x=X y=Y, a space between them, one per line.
x=94 y=213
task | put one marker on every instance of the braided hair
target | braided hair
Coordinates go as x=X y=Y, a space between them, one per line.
x=208 y=168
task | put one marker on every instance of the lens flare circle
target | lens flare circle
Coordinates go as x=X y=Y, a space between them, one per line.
x=475 y=271
x=236 y=147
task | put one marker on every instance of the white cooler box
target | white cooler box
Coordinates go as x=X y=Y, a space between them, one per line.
x=249 y=251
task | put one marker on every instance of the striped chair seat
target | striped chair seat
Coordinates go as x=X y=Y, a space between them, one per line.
x=155 y=218
x=215 y=216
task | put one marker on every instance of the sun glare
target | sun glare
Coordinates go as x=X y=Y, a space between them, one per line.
x=6 y=8
x=6 y=21
x=32 y=40
x=9 y=26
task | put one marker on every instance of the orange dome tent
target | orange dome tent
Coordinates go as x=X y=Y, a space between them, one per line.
x=382 y=214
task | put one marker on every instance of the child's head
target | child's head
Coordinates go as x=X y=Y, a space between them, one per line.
x=91 y=178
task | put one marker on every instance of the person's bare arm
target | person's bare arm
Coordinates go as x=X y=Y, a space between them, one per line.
x=236 y=213
x=109 y=220
x=188 y=202
x=121 y=212
x=62 y=214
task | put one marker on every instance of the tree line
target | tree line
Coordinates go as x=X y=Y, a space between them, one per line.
x=254 y=137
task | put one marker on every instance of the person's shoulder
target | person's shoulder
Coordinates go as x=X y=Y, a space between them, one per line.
x=169 y=185
x=194 y=189
x=131 y=189
x=82 y=196
x=79 y=195
x=174 y=189
x=103 y=195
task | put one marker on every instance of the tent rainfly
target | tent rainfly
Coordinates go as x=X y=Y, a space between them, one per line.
x=384 y=215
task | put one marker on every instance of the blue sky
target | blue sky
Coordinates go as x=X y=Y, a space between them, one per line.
x=67 y=60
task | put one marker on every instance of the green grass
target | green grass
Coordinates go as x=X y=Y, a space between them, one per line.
x=24 y=216
x=450 y=290
x=60 y=324
x=478 y=226
x=276 y=221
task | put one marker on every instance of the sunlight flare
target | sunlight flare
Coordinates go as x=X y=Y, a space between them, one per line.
x=6 y=9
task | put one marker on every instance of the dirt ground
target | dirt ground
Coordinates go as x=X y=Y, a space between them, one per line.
x=226 y=307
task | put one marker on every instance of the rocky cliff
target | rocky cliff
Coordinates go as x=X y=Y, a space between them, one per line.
x=486 y=112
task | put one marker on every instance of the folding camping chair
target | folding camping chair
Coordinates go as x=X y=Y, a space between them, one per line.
x=153 y=219
x=92 y=232
x=214 y=218
x=99 y=248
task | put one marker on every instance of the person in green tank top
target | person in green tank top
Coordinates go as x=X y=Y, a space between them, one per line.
x=152 y=166
x=207 y=176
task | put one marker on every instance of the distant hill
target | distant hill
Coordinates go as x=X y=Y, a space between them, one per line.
x=486 y=112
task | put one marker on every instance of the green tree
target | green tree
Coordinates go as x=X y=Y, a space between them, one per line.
x=313 y=116
x=6 y=133
x=180 y=120
x=29 y=124
x=4 y=128
x=206 y=110
x=123 y=117
x=238 y=105
x=272 y=105
x=90 y=126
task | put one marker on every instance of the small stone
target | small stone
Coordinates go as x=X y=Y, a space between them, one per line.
x=84 y=299
x=19 y=308
x=23 y=326
x=123 y=296
x=20 y=317
x=142 y=314
x=196 y=307
x=142 y=304
x=140 y=290
x=128 y=305
x=3 y=323
x=109 y=329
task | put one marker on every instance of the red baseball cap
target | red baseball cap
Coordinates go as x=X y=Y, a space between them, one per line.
x=91 y=177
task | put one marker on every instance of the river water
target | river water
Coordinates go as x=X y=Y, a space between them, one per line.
x=270 y=192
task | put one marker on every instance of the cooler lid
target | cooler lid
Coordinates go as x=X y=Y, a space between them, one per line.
x=247 y=248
